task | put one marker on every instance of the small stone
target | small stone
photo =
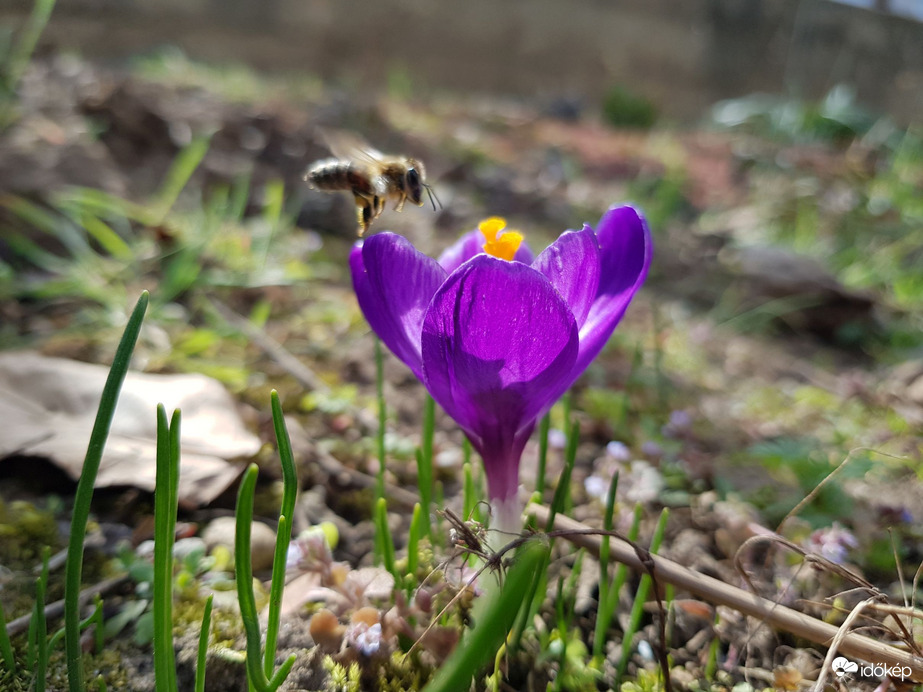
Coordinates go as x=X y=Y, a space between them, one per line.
x=262 y=540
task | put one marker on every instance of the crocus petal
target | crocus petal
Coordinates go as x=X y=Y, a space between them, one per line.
x=394 y=283
x=462 y=250
x=571 y=264
x=524 y=254
x=625 y=255
x=471 y=244
x=497 y=342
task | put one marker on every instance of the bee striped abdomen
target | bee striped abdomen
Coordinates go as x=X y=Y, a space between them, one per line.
x=335 y=174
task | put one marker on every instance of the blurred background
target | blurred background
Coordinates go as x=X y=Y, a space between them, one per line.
x=681 y=57
x=773 y=145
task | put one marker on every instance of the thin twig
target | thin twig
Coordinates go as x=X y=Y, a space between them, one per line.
x=835 y=644
x=55 y=610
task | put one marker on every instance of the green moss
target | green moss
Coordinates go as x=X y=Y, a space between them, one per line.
x=24 y=531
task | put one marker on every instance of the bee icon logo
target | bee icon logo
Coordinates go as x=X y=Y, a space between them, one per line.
x=842 y=665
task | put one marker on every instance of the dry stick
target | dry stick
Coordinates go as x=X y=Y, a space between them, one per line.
x=832 y=651
x=715 y=591
x=54 y=610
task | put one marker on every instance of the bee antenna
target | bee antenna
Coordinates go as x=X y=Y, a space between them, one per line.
x=432 y=196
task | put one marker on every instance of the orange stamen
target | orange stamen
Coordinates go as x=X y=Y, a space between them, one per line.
x=504 y=246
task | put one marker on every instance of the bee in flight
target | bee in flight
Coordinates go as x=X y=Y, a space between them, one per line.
x=372 y=177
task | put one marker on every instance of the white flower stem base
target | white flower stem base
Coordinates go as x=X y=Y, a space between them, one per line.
x=505 y=521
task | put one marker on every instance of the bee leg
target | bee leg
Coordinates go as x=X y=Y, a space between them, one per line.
x=364 y=213
x=400 y=203
x=378 y=206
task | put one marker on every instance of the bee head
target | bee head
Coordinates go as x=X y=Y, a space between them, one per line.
x=414 y=183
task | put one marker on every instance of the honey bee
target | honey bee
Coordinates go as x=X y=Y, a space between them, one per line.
x=372 y=177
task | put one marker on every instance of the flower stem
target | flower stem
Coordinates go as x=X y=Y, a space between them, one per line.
x=382 y=421
x=425 y=461
x=543 y=428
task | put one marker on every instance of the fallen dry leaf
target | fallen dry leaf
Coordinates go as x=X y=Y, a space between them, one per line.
x=48 y=406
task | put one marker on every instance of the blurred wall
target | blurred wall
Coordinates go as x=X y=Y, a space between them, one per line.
x=682 y=55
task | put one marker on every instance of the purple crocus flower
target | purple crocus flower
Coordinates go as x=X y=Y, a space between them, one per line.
x=495 y=335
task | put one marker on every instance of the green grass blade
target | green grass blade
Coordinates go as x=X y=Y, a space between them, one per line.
x=543 y=427
x=604 y=615
x=493 y=621
x=110 y=241
x=644 y=588
x=240 y=194
x=621 y=572
x=417 y=531
x=6 y=647
x=425 y=460
x=385 y=542
x=382 y=422
x=98 y=624
x=283 y=533
x=164 y=532
x=84 y=494
x=40 y=630
x=244 y=578
x=184 y=165
x=18 y=60
x=203 y=645
x=562 y=492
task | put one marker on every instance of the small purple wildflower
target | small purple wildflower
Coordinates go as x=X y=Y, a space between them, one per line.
x=596 y=486
x=832 y=542
x=680 y=421
x=618 y=451
x=556 y=438
x=495 y=335
x=651 y=449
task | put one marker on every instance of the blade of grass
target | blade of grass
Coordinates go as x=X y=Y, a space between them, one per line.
x=84 y=493
x=425 y=460
x=98 y=624
x=6 y=647
x=18 y=59
x=495 y=616
x=386 y=544
x=543 y=427
x=273 y=199
x=243 y=567
x=240 y=194
x=203 y=645
x=417 y=531
x=644 y=588
x=110 y=241
x=621 y=572
x=382 y=422
x=562 y=492
x=184 y=165
x=164 y=534
x=243 y=575
x=604 y=614
x=41 y=626
x=283 y=533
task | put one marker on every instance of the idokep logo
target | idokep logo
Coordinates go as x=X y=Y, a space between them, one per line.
x=841 y=666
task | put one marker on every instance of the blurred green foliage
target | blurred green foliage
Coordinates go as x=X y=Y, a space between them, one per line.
x=622 y=107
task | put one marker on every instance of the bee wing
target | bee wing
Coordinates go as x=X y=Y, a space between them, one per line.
x=351 y=147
